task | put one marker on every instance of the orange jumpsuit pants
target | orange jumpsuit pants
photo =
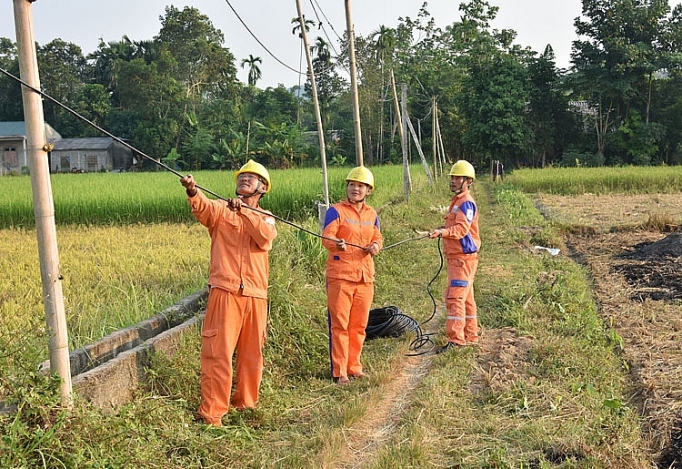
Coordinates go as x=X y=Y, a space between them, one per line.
x=233 y=322
x=348 y=308
x=461 y=324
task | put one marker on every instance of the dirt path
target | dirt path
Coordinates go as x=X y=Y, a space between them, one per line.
x=500 y=360
x=381 y=422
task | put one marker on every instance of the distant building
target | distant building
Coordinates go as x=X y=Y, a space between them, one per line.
x=84 y=155
x=14 y=146
x=90 y=155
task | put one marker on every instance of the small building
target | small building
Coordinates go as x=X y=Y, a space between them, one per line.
x=14 y=146
x=90 y=155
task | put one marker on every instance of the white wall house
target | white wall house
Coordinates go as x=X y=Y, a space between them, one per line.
x=87 y=155
x=14 y=146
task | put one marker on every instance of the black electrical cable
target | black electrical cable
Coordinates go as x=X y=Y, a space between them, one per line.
x=390 y=321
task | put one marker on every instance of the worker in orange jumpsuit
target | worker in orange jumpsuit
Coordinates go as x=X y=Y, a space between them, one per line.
x=461 y=244
x=236 y=312
x=350 y=273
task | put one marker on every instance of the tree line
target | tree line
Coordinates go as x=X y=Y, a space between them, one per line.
x=177 y=96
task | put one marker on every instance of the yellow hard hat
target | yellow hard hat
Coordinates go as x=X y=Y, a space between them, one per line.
x=463 y=168
x=361 y=174
x=254 y=168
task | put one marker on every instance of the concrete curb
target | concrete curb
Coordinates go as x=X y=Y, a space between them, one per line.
x=114 y=383
x=106 y=373
x=106 y=349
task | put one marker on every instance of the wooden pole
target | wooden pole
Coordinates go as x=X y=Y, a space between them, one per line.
x=407 y=183
x=322 y=208
x=434 y=146
x=418 y=144
x=354 y=84
x=43 y=204
x=396 y=106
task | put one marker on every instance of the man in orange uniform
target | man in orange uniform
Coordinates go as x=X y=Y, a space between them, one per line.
x=461 y=243
x=236 y=312
x=350 y=273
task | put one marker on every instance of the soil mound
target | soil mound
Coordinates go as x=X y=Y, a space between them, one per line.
x=670 y=246
x=654 y=269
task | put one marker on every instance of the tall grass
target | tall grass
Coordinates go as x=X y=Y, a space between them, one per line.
x=158 y=197
x=602 y=180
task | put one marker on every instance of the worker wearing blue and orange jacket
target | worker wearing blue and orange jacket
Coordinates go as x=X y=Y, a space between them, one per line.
x=350 y=273
x=461 y=243
x=236 y=311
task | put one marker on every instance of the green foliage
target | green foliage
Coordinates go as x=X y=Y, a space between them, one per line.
x=174 y=160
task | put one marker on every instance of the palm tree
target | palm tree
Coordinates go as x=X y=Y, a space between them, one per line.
x=385 y=41
x=254 y=71
x=322 y=48
x=297 y=30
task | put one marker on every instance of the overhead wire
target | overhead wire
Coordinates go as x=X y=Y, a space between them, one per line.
x=321 y=25
x=259 y=41
x=325 y=17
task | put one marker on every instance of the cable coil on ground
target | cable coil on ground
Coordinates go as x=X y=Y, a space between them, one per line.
x=389 y=321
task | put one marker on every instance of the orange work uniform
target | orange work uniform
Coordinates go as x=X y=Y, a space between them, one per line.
x=350 y=282
x=461 y=243
x=236 y=312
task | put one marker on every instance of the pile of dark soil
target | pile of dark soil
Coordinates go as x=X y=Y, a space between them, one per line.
x=653 y=269
x=668 y=247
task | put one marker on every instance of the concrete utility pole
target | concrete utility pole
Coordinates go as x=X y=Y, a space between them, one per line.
x=322 y=208
x=354 y=84
x=43 y=204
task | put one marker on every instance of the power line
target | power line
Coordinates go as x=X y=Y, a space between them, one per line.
x=319 y=21
x=258 y=40
x=325 y=17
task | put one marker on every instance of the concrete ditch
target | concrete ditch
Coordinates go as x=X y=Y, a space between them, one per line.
x=107 y=372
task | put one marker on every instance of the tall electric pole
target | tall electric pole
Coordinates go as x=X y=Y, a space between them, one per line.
x=322 y=208
x=354 y=84
x=43 y=204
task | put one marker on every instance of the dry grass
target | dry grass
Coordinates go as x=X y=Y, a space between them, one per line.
x=612 y=211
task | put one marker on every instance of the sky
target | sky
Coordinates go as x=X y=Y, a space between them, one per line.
x=85 y=22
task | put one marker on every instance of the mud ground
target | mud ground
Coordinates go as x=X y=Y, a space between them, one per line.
x=632 y=246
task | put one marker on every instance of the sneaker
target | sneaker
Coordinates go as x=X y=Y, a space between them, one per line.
x=342 y=380
x=446 y=347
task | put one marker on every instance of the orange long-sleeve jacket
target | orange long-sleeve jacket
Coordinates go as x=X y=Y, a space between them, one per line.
x=460 y=235
x=358 y=227
x=240 y=242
